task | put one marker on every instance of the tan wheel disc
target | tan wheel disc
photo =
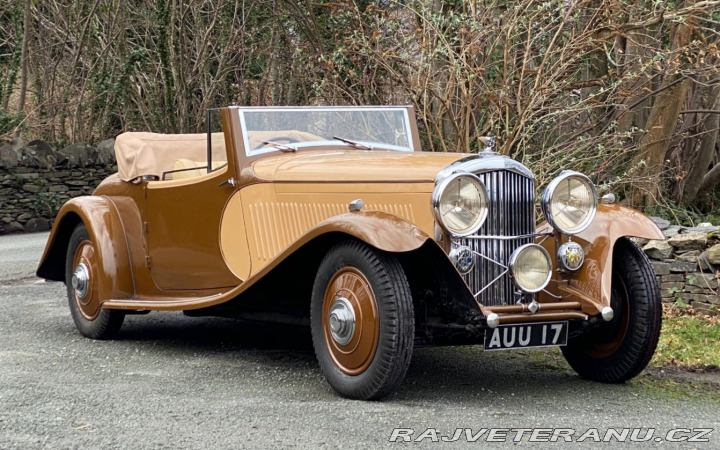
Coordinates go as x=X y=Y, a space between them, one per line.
x=88 y=305
x=349 y=291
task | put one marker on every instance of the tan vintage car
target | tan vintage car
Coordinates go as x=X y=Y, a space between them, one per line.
x=335 y=218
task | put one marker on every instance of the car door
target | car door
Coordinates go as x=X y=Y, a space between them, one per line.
x=182 y=218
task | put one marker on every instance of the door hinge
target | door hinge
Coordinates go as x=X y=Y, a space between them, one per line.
x=148 y=262
x=145 y=227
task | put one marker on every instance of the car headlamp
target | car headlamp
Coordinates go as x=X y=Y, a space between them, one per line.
x=569 y=202
x=530 y=268
x=460 y=204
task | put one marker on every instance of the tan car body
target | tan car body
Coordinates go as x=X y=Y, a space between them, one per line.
x=197 y=242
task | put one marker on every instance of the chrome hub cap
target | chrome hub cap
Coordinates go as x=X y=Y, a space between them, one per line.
x=81 y=280
x=342 y=321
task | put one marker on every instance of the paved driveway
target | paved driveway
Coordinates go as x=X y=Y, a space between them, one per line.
x=172 y=381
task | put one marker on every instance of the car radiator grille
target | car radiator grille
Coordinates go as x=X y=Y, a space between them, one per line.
x=511 y=213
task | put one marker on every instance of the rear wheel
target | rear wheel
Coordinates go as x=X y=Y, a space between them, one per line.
x=362 y=321
x=81 y=281
x=620 y=349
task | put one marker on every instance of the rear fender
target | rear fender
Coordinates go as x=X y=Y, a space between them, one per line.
x=591 y=285
x=101 y=218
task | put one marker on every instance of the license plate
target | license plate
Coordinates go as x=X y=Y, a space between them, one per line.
x=526 y=335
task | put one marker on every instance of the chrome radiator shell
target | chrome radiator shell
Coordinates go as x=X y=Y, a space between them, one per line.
x=510 y=223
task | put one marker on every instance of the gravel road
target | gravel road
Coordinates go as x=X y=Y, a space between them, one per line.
x=172 y=381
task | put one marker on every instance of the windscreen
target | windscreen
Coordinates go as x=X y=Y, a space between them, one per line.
x=270 y=129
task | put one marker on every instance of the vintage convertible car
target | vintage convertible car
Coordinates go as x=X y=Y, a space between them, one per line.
x=334 y=217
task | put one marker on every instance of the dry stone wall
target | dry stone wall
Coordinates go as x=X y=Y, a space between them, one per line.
x=687 y=264
x=35 y=180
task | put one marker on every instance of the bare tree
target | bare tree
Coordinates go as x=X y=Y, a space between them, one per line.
x=604 y=87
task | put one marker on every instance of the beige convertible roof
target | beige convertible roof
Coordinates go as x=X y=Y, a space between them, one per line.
x=139 y=153
x=151 y=154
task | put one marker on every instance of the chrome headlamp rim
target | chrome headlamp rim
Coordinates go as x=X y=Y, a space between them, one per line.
x=512 y=264
x=437 y=195
x=547 y=195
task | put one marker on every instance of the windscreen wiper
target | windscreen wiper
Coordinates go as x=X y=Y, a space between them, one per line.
x=281 y=147
x=353 y=143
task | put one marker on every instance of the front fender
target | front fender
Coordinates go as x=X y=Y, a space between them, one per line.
x=591 y=285
x=100 y=217
x=378 y=229
x=381 y=230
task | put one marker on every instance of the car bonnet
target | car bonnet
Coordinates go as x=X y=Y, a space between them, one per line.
x=354 y=166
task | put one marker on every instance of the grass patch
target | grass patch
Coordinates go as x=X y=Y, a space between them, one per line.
x=677 y=386
x=688 y=339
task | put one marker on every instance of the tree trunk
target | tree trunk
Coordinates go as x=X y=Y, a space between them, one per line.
x=24 y=59
x=711 y=179
x=661 y=124
x=708 y=131
x=638 y=52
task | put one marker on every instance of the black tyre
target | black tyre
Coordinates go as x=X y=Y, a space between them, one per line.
x=362 y=321
x=620 y=349
x=81 y=281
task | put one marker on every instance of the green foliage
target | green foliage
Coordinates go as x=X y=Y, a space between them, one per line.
x=10 y=121
x=10 y=51
x=680 y=305
x=688 y=339
x=687 y=216
x=45 y=204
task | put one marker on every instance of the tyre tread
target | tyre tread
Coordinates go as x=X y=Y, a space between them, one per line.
x=396 y=313
x=638 y=348
x=108 y=322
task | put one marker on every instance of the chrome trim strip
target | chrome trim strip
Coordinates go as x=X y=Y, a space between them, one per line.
x=482 y=163
x=490 y=259
x=509 y=238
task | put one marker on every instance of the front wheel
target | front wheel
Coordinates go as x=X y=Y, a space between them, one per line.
x=620 y=349
x=362 y=321
x=81 y=281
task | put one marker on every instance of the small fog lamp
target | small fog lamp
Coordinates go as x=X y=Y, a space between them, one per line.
x=571 y=256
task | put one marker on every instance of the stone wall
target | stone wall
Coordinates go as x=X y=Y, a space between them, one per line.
x=687 y=264
x=35 y=180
